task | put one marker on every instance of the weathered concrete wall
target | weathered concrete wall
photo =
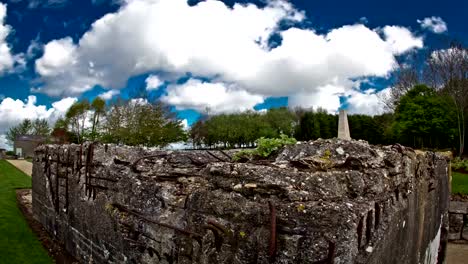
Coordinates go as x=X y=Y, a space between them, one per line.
x=327 y=201
x=458 y=221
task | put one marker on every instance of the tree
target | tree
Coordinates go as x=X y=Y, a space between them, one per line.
x=38 y=127
x=448 y=71
x=98 y=106
x=141 y=124
x=76 y=117
x=23 y=128
x=282 y=120
x=309 y=126
x=425 y=119
x=242 y=129
x=405 y=79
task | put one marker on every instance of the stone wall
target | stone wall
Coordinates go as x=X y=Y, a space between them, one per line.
x=458 y=220
x=327 y=201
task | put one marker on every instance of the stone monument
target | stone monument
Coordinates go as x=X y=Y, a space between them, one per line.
x=343 y=127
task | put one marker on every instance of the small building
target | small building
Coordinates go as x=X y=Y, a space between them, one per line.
x=24 y=145
x=2 y=153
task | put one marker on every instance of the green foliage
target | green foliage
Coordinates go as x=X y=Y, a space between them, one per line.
x=460 y=164
x=316 y=124
x=123 y=122
x=459 y=183
x=138 y=124
x=38 y=127
x=265 y=147
x=18 y=244
x=424 y=119
x=242 y=129
x=98 y=106
x=320 y=124
x=76 y=117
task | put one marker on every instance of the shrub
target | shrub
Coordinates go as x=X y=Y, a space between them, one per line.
x=265 y=147
x=459 y=164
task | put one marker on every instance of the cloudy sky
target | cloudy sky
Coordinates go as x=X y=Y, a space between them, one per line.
x=213 y=56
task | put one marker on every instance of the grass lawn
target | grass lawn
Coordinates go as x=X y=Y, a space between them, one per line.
x=459 y=183
x=17 y=242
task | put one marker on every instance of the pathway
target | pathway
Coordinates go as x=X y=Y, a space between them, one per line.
x=457 y=253
x=23 y=165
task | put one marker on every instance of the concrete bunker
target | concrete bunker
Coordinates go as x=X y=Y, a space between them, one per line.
x=324 y=201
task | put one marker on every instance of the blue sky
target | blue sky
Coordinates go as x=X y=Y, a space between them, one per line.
x=213 y=56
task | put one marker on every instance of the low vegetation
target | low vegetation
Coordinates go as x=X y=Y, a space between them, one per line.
x=18 y=244
x=460 y=164
x=459 y=183
x=265 y=148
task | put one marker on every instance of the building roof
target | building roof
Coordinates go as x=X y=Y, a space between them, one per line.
x=35 y=138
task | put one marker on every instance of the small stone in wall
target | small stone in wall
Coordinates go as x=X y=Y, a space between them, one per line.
x=465 y=228
x=456 y=225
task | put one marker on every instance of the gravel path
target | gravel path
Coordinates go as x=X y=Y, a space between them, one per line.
x=457 y=253
x=23 y=165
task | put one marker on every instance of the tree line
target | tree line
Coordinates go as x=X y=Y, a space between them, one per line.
x=422 y=119
x=445 y=74
x=428 y=108
x=134 y=122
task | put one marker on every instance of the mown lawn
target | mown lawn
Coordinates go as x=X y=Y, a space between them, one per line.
x=17 y=242
x=459 y=183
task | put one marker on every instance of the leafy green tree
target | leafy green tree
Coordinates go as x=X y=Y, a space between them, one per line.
x=425 y=119
x=38 y=127
x=141 y=124
x=239 y=130
x=98 y=106
x=447 y=70
x=23 y=128
x=282 y=120
x=76 y=117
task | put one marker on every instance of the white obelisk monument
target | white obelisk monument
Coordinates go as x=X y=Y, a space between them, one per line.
x=343 y=127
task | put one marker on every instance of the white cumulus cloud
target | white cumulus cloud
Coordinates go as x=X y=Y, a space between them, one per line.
x=368 y=102
x=434 y=24
x=109 y=94
x=153 y=82
x=12 y=111
x=212 y=97
x=7 y=60
x=401 y=39
x=223 y=44
x=328 y=98
x=4 y=144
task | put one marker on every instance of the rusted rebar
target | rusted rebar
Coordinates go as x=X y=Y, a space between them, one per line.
x=142 y=217
x=135 y=163
x=214 y=156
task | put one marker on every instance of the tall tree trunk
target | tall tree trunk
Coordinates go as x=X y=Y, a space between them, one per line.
x=461 y=133
x=462 y=138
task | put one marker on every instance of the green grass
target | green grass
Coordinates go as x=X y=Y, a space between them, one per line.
x=18 y=244
x=459 y=183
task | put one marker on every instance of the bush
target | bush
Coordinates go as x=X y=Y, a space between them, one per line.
x=10 y=153
x=265 y=147
x=459 y=164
